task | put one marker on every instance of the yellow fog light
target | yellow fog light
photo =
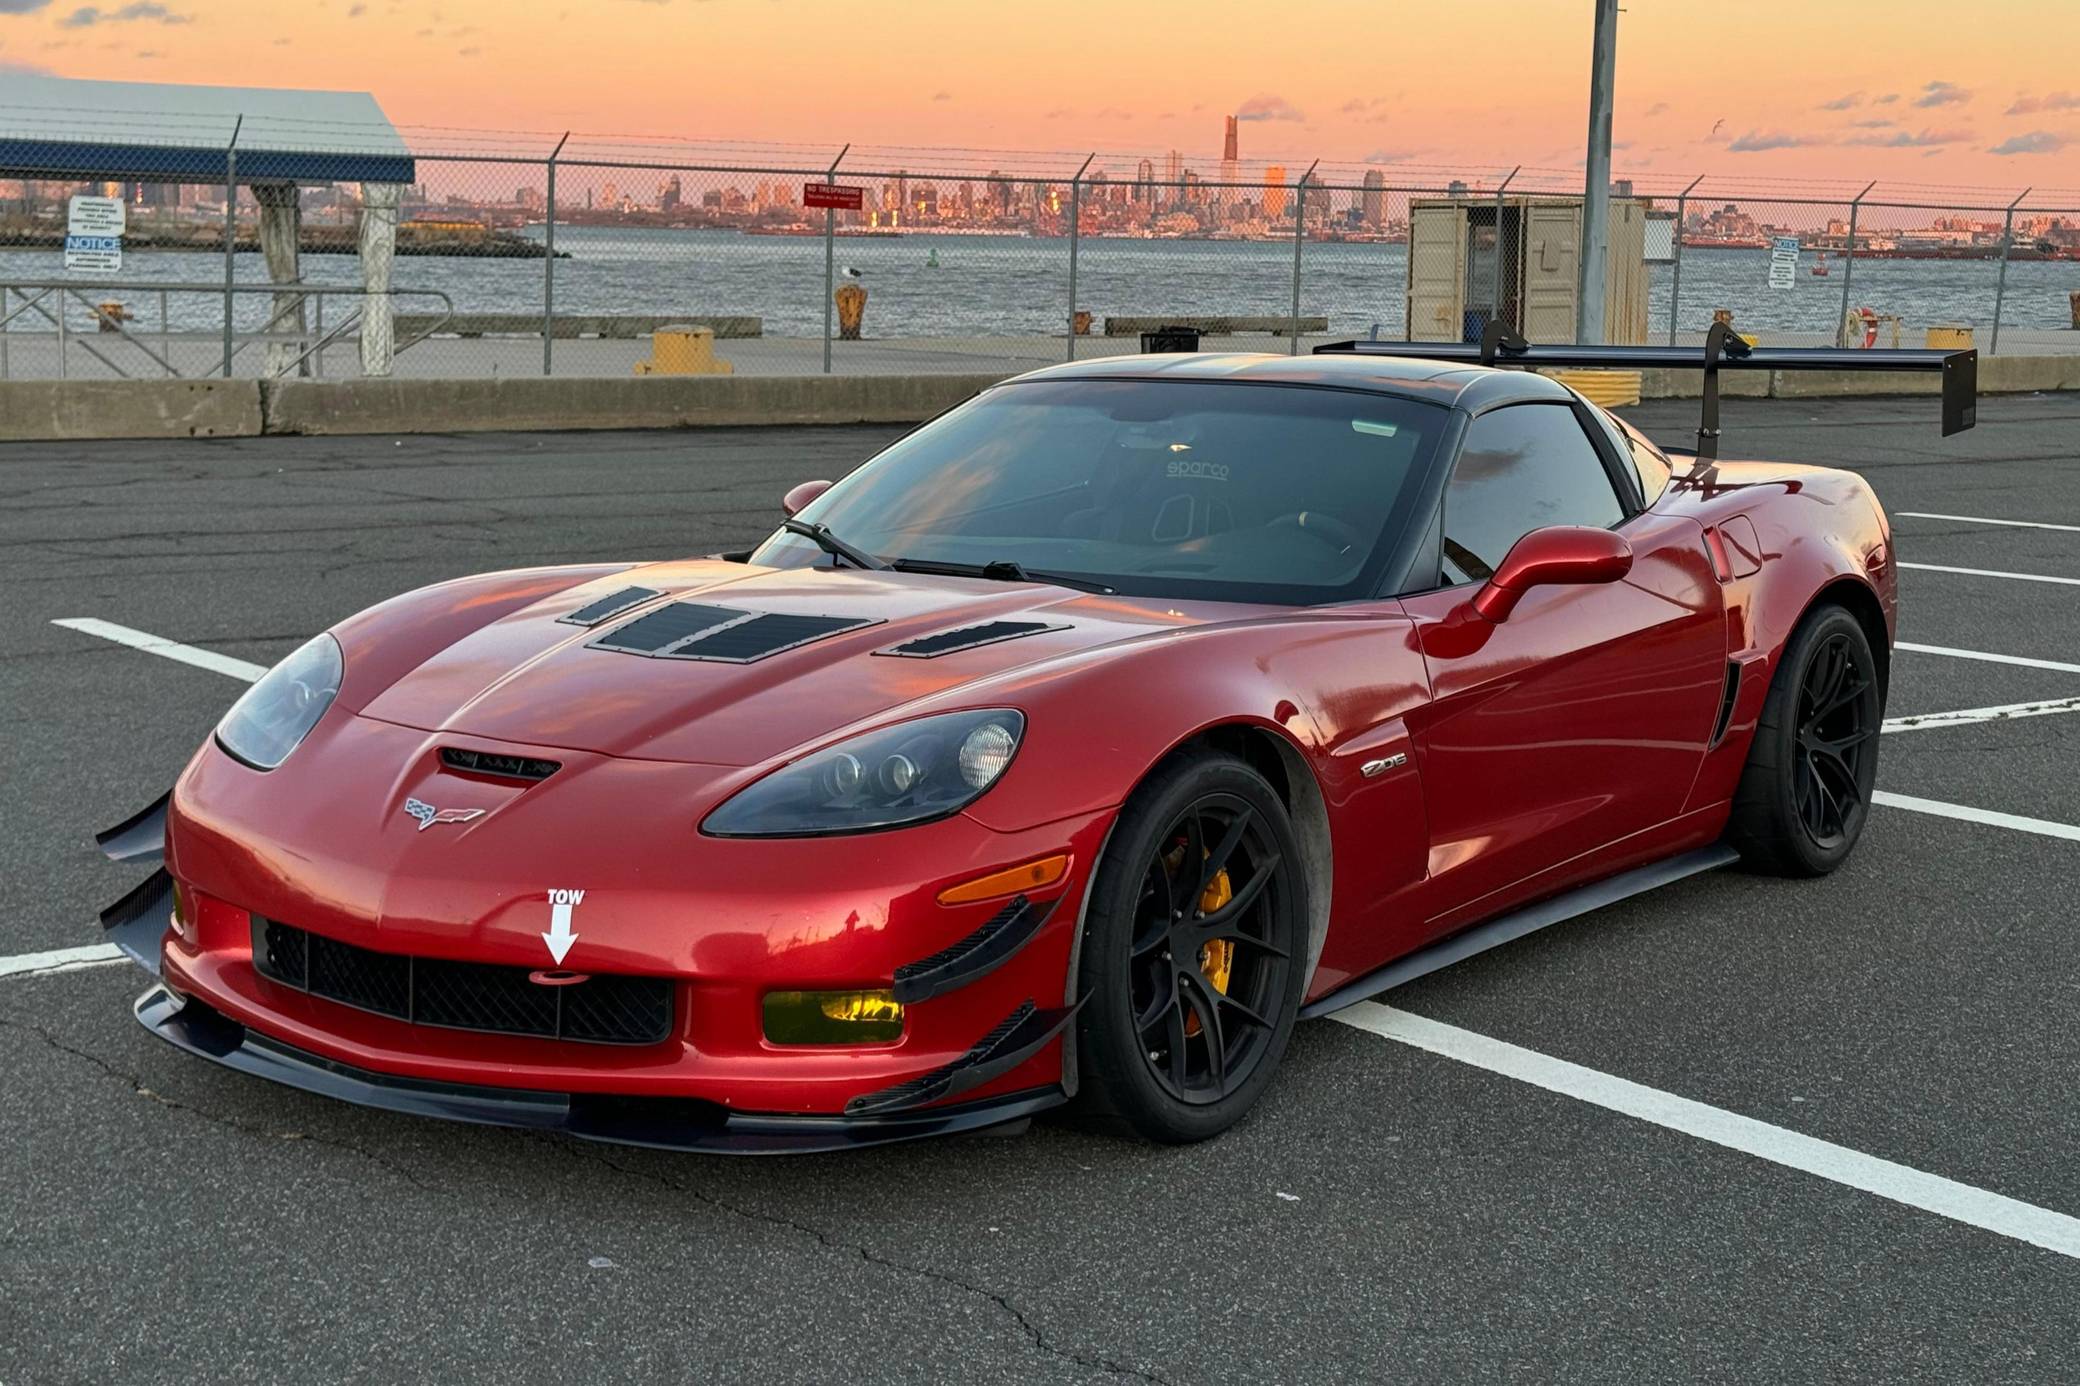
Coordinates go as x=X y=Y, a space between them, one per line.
x=833 y=1017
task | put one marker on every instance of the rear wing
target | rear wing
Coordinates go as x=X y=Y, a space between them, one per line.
x=1723 y=350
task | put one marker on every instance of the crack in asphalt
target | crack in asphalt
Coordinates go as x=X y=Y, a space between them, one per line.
x=829 y=1242
x=135 y=1082
x=138 y=1086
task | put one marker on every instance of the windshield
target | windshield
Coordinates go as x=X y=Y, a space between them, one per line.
x=1222 y=491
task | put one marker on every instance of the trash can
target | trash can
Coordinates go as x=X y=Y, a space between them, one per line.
x=1167 y=339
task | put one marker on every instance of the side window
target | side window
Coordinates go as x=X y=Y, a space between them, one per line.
x=1653 y=468
x=1519 y=469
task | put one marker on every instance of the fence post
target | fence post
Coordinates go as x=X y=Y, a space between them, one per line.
x=830 y=251
x=549 y=261
x=230 y=233
x=1675 y=250
x=1299 y=239
x=1495 y=304
x=1849 y=256
x=1075 y=234
x=2000 y=285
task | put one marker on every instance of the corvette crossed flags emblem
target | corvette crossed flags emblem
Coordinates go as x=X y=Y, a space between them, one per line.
x=428 y=815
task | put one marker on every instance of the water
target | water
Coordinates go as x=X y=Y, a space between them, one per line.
x=986 y=286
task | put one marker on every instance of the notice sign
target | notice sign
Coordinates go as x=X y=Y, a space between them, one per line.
x=94 y=234
x=841 y=196
x=1783 y=261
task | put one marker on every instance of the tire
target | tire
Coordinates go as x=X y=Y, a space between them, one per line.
x=1805 y=793
x=1186 y=1063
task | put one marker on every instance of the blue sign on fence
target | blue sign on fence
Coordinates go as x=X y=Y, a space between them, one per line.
x=93 y=252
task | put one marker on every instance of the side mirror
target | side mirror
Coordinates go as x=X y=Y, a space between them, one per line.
x=1556 y=555
x=801 y=495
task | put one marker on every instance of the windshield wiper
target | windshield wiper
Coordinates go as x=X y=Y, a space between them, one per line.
x=832 y=544
x=1001 y=570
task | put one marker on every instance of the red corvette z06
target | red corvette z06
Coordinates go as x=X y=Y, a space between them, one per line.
x=1071 y=750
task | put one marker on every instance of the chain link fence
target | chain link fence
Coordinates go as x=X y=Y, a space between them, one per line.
x=499 y=254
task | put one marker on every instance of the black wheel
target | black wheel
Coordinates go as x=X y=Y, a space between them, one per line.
x=1806 y=791
x=1193 y=951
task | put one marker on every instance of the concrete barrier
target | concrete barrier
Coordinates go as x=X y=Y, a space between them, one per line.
x=82 y=409
x=57 y=410
x=621 y=326
x=476 y=406
x=1661 y=382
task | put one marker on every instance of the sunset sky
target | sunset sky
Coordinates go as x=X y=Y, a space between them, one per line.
x=1913 y=91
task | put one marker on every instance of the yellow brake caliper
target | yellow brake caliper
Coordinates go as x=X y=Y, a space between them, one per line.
x=1217 y=956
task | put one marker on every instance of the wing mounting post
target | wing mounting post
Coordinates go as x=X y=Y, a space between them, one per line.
x=1498 y=338
x=1719 y=343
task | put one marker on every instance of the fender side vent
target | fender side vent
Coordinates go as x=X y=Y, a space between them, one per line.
x=967 y=638
x=668 y=625
x=613 y=604
x=498 y=766
x=1726 y=702
x=742 y=642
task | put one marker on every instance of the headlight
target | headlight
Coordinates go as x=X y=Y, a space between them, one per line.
x=276 y=713
x=908 y=773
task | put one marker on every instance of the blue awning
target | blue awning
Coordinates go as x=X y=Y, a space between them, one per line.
x=151 y=132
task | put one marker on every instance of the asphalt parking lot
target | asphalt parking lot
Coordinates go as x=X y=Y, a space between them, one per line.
x=1390 y=1211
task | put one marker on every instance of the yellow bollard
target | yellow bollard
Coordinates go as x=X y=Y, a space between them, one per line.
x=682 y=350
x=852 y=307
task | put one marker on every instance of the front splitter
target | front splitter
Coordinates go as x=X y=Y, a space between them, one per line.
x=660 y=1123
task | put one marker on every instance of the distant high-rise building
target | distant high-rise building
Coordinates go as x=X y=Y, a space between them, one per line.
x=1375 y=199
x=1144 y=178
x=1229 y=156
x=1228 y=147
x=1274 y=191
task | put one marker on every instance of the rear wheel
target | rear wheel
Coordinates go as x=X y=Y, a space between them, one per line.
x=1193 y=950
x=1806 y=791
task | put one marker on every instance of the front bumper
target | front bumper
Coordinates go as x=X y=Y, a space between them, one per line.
x=983 y=1047
x=663 y=1123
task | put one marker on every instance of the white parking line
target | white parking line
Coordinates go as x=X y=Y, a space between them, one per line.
x=1993 y=573
x=170 y=649
x=1966 y=715
x=1982 y=520
x=2015 y=822
x=2003 y=1216
x=60 y=960
x=2020 y=660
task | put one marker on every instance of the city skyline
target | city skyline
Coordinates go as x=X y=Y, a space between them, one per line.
x=1900 y=91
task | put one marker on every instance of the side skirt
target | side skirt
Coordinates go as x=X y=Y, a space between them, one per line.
x=1510 y=927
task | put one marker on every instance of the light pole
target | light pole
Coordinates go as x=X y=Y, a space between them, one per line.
x=1596 y=190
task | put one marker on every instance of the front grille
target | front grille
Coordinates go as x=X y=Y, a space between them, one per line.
x=606 y=1008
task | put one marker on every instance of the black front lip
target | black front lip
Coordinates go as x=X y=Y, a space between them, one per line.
x=684 y=1124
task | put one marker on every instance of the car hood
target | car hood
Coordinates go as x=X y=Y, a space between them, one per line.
x=533 y=678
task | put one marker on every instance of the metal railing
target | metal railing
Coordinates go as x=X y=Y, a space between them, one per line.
x=45 y=300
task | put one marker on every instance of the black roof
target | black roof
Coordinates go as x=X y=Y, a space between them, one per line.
x=1431 y=382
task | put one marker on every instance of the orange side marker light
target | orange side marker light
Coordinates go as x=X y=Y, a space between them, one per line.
x=1032 y=876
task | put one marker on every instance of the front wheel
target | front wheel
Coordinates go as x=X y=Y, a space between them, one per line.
x=1806 y=790
x=1193 y=953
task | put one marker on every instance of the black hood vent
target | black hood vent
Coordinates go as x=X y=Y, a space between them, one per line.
x=667 y=626
x=503 y=767
x=613 y=604
x=720 y=634
x=744 y=642
x=967 y=638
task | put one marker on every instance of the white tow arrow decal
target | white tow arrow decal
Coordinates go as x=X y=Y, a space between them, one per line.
x=560 y=938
